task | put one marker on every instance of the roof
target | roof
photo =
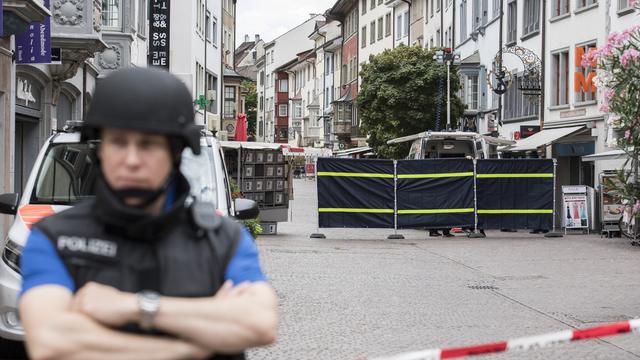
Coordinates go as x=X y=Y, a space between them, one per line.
x=284 y=66
x=341 y=8
x=346 y=98
x=352 y=151
x=471 y=59
x=544 y=137
x=229 y=72
x=242 y=51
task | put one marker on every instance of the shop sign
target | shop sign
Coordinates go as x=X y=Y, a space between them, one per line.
x=159 y=34
x=34 y=45
x=528 y=130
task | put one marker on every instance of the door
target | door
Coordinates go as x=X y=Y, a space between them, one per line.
x=26 y=149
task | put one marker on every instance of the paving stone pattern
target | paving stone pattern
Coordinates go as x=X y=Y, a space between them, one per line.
x=356 y=294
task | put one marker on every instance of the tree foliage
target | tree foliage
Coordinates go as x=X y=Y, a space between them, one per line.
x=251 y=105
x=402 y=91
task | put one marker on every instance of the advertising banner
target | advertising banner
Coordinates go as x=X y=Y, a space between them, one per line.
x=34 y=45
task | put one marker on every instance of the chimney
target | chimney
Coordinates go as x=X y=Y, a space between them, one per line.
x=246 y=38
x=257 y=37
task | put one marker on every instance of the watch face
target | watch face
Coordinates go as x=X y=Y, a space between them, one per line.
x=150 y=295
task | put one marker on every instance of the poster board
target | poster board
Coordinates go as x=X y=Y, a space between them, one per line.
x=575 y=207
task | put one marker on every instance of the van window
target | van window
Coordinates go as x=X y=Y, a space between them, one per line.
x=67 y=175
x=415 y=152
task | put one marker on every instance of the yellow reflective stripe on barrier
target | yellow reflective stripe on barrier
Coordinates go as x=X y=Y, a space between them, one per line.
x=348 y=174
x=435 y=211
x=515 y=211
x=430 y=176
x=355 y=210
x=514 y=176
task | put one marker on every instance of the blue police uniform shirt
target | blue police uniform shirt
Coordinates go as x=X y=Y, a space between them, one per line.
x=40 y=264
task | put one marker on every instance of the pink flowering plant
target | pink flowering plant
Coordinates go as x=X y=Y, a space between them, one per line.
x=618 y=77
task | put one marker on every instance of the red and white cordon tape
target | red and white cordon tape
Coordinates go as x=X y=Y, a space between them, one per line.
x=523 y=343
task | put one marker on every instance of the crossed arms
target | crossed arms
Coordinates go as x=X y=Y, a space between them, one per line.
x=61 y=325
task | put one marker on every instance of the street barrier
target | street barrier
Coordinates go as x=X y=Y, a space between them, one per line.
x=515 y=194
x=436 y=193
x=355 y=193
x=523 y=343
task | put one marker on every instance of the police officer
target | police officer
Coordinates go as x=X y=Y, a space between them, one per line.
x=136 y=273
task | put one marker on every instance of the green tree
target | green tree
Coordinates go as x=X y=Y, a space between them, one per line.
x=251 y=104
x=402 y=91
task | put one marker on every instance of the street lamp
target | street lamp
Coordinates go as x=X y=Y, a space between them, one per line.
x=447 y=57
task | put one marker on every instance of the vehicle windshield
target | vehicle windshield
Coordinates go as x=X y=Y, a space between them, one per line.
x=68 y=174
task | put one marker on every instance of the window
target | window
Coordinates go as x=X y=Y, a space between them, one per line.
x=398 y=27
x=559 y=7
x=261 y=103
x=364 y=6
x=380 y=2
x=512 y=21
x=214 y=32
x=380 y=28
x=530 y=17
x=405 y=26
x=283 y=85
x=584 y=3
x=477 y=14
x=432 y=8
x=438 y=38
x=111 y=13
x=297 y=110
x=471 y=92
x=517 y=105
x=496 y=8
x=363 y=38
x=199 y=79
x=624 y=4
x=65 y=109
x=387 y=28
x=207 y=29
x=438 y=5
x=463 y=20
x=450 y=38
x=212 y=88
x=142 y=17
x=560 y=78
x=283 y=110
x=373 y=4
x=229 y=102
x=585 y=89
x=372 y=29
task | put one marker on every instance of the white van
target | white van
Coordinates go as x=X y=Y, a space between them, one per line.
x=438 y=145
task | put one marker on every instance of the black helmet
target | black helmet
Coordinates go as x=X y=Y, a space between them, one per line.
x=153 y=101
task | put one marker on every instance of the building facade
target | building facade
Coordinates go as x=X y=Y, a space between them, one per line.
x=195 y=35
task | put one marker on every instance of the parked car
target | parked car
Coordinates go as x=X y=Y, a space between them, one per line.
x=438 y=145
x=64 y=174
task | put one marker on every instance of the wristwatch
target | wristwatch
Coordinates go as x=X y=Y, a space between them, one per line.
x=149 y=304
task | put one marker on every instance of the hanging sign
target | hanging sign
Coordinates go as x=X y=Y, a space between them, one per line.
x=159 y=34
x=34 y=45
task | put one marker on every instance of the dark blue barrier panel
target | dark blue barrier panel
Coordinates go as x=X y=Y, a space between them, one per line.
x=355 y=193
x=435 y=193
x=515 y=194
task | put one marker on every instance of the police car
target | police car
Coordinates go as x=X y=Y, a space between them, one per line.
x=64 y=174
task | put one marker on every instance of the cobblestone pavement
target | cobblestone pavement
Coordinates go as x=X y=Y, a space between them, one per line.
x=356 y=294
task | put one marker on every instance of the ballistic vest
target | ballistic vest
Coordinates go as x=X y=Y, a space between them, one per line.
x=183 y=252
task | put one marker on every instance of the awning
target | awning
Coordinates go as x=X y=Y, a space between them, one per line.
x=544 y=137
x=249 y=145
x=606 y=155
